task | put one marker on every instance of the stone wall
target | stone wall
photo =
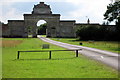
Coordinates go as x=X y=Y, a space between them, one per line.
x=16 y=28
x=0 y=29
x=5 y=30
x=67 y=28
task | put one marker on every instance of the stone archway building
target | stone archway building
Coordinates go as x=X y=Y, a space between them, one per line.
x=55 y=26
x=41 y=11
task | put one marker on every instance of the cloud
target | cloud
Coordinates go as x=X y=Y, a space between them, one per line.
x=93 y=9
x=12 y=14
x=7 y=11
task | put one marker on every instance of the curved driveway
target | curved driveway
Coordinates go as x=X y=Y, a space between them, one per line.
x=109 y=58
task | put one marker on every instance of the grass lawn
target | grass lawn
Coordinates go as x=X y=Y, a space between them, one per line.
x=103 y=45
x=37 y=65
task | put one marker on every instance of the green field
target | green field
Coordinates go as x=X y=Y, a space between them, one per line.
x=37 y=65
x=103 y=45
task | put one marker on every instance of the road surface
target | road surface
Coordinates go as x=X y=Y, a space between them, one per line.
x=109 y=58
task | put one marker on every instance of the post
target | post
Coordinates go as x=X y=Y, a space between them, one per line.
x=50 y=55
x=18 y=55
x=76 y=53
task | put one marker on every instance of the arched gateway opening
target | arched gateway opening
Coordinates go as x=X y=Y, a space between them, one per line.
x=41 y=28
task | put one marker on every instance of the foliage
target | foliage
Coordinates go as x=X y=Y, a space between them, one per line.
x=29 y=29
x=91 y=32
x=118 y=29
x=42 y=29
x=113 y=11
x=87 y=33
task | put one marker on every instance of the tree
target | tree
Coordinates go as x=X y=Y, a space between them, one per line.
x=113 y=12
x=42 y=29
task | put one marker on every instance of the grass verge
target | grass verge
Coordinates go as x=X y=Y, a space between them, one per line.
x=37 y=65
x=103 y=45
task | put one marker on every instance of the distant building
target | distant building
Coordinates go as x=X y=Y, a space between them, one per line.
x=55 y=26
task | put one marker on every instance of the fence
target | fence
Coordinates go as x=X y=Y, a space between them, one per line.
x=50 y=52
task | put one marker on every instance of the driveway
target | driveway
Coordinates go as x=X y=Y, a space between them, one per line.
x=109 y=58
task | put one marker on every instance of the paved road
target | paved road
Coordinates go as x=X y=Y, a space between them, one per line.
x=109 y=58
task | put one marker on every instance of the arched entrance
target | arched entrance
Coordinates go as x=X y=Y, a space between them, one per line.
x=41 y=27
x=52 y=23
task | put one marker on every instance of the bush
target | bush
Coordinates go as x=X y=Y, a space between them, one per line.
x=88 y=33
x=91 y=32
x=42 y=29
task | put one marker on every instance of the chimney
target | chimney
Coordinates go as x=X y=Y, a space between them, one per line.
x=88 y=21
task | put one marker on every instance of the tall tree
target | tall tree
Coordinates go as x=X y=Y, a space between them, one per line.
x=113 y=12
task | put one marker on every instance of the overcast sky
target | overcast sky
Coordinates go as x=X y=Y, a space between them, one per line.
x=79 y=10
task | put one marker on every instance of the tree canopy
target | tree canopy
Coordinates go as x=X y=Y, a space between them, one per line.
x=42 y=29
x=113 y=12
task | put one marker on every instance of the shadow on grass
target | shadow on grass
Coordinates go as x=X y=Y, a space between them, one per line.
x=46 y=59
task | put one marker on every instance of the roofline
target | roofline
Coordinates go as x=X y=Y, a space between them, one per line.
x=87 y=24
x=41 y=14
x=15 y=20
x=67 y=21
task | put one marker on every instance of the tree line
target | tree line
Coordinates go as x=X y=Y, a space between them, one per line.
x=103 y=32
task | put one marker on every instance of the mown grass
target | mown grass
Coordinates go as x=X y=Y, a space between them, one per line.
x=37 y=65
x=103 y=45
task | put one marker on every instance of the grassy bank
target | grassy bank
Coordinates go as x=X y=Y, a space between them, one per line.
x=37 y=65
x=103 y=45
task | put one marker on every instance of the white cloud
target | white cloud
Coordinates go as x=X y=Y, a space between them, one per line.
x=13 y=1
x=12 y=14
x=94 y=9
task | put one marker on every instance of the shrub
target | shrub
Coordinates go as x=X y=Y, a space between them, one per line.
x=42 y=29
x=91 y=32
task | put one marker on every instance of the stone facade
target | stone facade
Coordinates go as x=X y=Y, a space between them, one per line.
x=41 y=11
x=5 y=30
x=66 y=28
x=51 y=19
x=16 y=28
x=0 y=29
